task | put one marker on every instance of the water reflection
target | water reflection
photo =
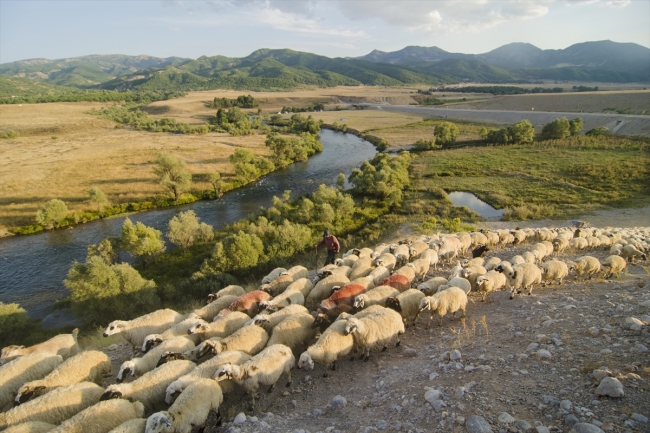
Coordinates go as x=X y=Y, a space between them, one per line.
x=476 y=204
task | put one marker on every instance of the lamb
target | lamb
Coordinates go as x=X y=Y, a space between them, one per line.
x=24 y=369
x=376 y=296
x=303 y=285
x=554 y=270
x=421 y=267
x=480 y=251
x=523 y=276
x=491 y=263
x=472 y=273
x=149 y=361
x=269 y=321
x=211 y=310
x=297 y=272
x=585 y=265
x=284 y=299
x=90 y=366
x=490 y=282
x=178 y=330
x=378 y=274
x=277 y=286
x=250 y=302
x=323 y=289
x=101 y=417
x=361 y=268
x=222 y=327
x=55 y=406
x=150 y=387
x=275 y=273
x=206 y=371
x=386 y=260
x=407 y=304
x=449 y=300
x=398 y=281
x=332 y=344
x=191 y=409
x=62 y=344
x=459 y=282
x=135 y=425
x=430 y=286
x=31 y=427
x=263 y=369
x=293 y=331
x=250 y=339
x=341 y=300
x=376 y=330
x=231 y=290
x=134 y=331
x=614 y=264
x=630 y=253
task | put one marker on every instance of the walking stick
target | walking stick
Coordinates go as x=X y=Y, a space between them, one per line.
x=316 y=259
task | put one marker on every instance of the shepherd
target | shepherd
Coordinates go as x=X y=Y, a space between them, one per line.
x=332 y=245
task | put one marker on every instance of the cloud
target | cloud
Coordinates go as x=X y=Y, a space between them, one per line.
x=294 y=22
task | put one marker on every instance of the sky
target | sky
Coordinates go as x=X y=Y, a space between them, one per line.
x=56 y=29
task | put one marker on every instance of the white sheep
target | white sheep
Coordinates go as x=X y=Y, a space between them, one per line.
x=329 y=270
x=554 y=270
x=614 y=264
x=450 y=300
x=447 y=253
x=421 y=268
x=275 y=273
x=517 y=260
x=284 y=299
x=323 y=289
x=303 y=285
x=386 y=260
x=376 y=330
x=54 y=407
x=62 y=344
x=206 y=371
x=31 y=427
x=490 y=282
x=264 y=368
x=211 y=310
x=460 y=282
x=231 y=290
x=278 y=285
x=190 y=410
x=198 y=354
x=472 y=273
x=407 y=271
x=293 y=331
x=24 y=369
x=101 y=417
x=532 y=257
x=347 y=260
x=407 y=304
x=378 y=274
x=269 y=321
x=560 y=244
x=221 y=327
x=519 y=236
x=178 y=330
x=416 y=250
x=88 y=366
x=150 y=388
x=332 y=344
x=523 y=276
x=249 y=339
x=631 y=253
x=135 y=425
x=578 y=243
x=431 y=256
x=476 y=261
x=366 y=282
x=430 y=286
x=491 y=263
x=149 y=361
x=361 y=268
x=297 y=272
x=585 y=265
x=376 y=296
x=134 y=331
x=402 y=251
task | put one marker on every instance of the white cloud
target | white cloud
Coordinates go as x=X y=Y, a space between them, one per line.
x=294 y=22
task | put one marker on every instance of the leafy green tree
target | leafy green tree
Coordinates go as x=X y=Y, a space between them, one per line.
x=340 y=182
x=13 y=323
x=106 y=250
x=184 y=229
x=575 y=125
x=522 y=132
x=446 y=133
x=305 y=210
x=557 y=129
x=52 y=213
x=98 y=197
x=423 y=144
x=236 y=252
x=483 y=132
x=141 y=241
x=172 y=174
x=215 y=180
x=101 y=292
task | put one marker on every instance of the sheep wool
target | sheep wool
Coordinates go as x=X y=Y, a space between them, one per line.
x=269 y=321
x=462 y=283
x=102 y=417
x=490 y=282
x=231 y=290
x=221 y=327
x=450 y=300
x=342 y=300
x=332 y=344
x=275 y=273
x=62 y=344
x=140 y=366
x=136 y=425
x=323 y=289
x=55 y=406
x=406 y=271
x=297 y=272
x=25 y=369
x=249 y=303
x=178 y=330
x=293 y=331
x=397 y=281
x=250 y=339
x=523 y=276
x=614 y=264
x=376 y=330
x=31 y=427
x=208 y=312
x=303 y=285
x=284 y=299
x=361 y=267
x=88 y=366
x=554 y=270
x=430 y=286
x=134 y=331
x=376 y=296
x=588 y=265
x=407 y=304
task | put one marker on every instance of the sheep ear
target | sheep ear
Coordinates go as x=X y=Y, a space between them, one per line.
x=254 y=368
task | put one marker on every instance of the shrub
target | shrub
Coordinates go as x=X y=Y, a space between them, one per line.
x=520 y=133
x=423 y=144
x=11 y=134
x=236 y=252
x=575 y=125
x=141 y=241
x=446 y=133
x=198 y=287
x=13 y=323
x=598 y=131
x=184 y=229
x=52 y=213
x=557 y=129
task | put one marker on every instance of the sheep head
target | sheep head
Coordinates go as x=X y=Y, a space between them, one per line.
x=151 y=341
x=112 y=391
x=352 y=326
x=198 y=327
x=159 y=422
x=212 y=297
x=393 y=304
x=208 y=346
x=10 y=351
x=169 y=356
x=224 y=372
x=115 y=327
x=305 y=362
x=322 y=321
x=127 y=367
x=27 y=392
x=265 y=288
x=359 y=302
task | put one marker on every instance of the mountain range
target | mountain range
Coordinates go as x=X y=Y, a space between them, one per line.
x=277 y=69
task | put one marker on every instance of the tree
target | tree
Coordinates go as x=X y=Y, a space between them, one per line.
x=105 y=250
x=575 y=125
x=446 y=133
x=13 y=322
x=522 y=132
x=557 y=129
x=141 y=241
x=423 y=144
x=340 y=182
x=483 y=132
x=97 y=196
x=236 y=252
x=184 y=229
x=172 y=174
x=52 y=213
x=215 y=180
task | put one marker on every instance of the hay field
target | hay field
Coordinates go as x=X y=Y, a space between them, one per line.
x=62 y=152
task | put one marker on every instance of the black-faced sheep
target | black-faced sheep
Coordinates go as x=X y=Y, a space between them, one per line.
x=450 y=300
x=101 y=417
x=54 y=407
x=24 y=369
x=178 y=330
x=231 y=290
x=376 y=330
x=221 y=327
x=62 y=344
x=89 y=366
x=134 y=331
x=264 y=368
x=407 y=304
x=149 y=361
x=480 y=251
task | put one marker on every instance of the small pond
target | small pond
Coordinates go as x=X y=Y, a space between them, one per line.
x=476 y=204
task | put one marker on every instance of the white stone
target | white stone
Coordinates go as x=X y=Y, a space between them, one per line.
x=611 y=387
x=432 y=394
x=505 y=418
x=543 y=353
x=240 y=419
x=455 y=355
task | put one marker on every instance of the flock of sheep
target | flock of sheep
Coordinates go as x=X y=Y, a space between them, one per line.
x=187 y=363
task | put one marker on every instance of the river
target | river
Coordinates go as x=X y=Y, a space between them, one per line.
x=32 y=268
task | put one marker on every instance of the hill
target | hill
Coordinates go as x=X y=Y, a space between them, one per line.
x=413 y=53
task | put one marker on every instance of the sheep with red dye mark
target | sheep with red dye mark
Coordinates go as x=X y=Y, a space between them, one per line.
x=342 y=300
x=250 y=302
x=398 y=281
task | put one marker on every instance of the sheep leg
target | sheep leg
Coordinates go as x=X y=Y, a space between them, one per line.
x=289 y=380
x=367 y=357
x=398 y=342
x=385 y=348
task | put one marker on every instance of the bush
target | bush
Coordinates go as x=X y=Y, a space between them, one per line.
x=13 y=323
x=11 y=134
x=520 y=133
x=237 y=252
x=198 y=287
x=446 y=133
x=141 y=241
x=52 y=213
x=575 y=125
x=423 y=144
x=184 y=229
x=597 y=132
x=557 y=129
